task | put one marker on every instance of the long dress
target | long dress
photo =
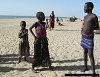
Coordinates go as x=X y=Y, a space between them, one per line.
x=51 y=21
x=41 y=51
x=23 y=43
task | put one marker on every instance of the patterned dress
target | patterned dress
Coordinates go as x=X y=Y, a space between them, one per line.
x=41 y=51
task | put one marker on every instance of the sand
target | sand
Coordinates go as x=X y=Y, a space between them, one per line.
x=64 y=47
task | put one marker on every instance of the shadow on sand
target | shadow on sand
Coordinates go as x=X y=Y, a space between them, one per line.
x=12 y=59
x=70 y=68
x=67 y=61
x=67 y=30
x=8 y=69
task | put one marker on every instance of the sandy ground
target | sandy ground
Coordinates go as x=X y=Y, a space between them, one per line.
x=64 y=47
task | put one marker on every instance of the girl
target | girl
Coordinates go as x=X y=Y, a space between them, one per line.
x=41 y=51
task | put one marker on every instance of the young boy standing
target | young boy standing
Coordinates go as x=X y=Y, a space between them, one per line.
x=23 y=43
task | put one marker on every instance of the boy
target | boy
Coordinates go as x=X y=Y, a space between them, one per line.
x=23 y=43
x=41 y=51
x=90 y=24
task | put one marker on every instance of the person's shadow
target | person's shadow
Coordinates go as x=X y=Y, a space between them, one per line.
x=8 y=69
x=70 y=68
x=8 y=58
x=12 y=59
x=67 y=61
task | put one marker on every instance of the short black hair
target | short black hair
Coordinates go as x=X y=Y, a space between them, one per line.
x=90 y=4
x=38 y=14
x=23 y=22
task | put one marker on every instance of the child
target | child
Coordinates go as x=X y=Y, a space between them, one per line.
x=23 y=43
x=61 y=20
x=57 y=20
x=41 y=52
x=90 y=24
x=47 y=23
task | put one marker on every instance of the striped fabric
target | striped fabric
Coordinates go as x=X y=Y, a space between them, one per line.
x=87 y=41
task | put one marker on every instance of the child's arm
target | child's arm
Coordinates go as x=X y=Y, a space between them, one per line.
x=31 y=30
x=96 y=23
x=23 y=34
x=19 y=35
x=82 y=28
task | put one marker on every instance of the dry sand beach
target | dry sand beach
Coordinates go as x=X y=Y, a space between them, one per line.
x=64 y=47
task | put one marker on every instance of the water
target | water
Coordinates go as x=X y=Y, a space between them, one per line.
x=13 y=17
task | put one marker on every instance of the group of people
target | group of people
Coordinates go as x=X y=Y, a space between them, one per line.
x=59 y=21
x=41 y=50
x=50 y=23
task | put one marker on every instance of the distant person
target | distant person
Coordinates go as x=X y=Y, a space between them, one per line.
x=41 y=51
x=61 y=20
x=52 y=20
x=90 y=24
x=23 y=43
x=58 y=22
x=47 y=23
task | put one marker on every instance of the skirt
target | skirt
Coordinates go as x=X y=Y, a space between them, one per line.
x=52 y=24
x=41 y=53
x=87 y=41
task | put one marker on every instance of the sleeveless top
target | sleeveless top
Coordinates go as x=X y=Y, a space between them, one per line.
x=40 y=30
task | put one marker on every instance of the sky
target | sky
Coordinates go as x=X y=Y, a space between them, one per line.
x=62 y=8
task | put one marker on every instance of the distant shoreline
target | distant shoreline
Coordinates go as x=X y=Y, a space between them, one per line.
x=15 y=16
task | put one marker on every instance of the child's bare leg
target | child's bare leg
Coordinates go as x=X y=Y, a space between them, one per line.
x=85 y=60
x=92 y=60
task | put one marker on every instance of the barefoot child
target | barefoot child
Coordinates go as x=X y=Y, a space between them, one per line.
x=41 y=52
x=90 y=24
x=23 y=43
